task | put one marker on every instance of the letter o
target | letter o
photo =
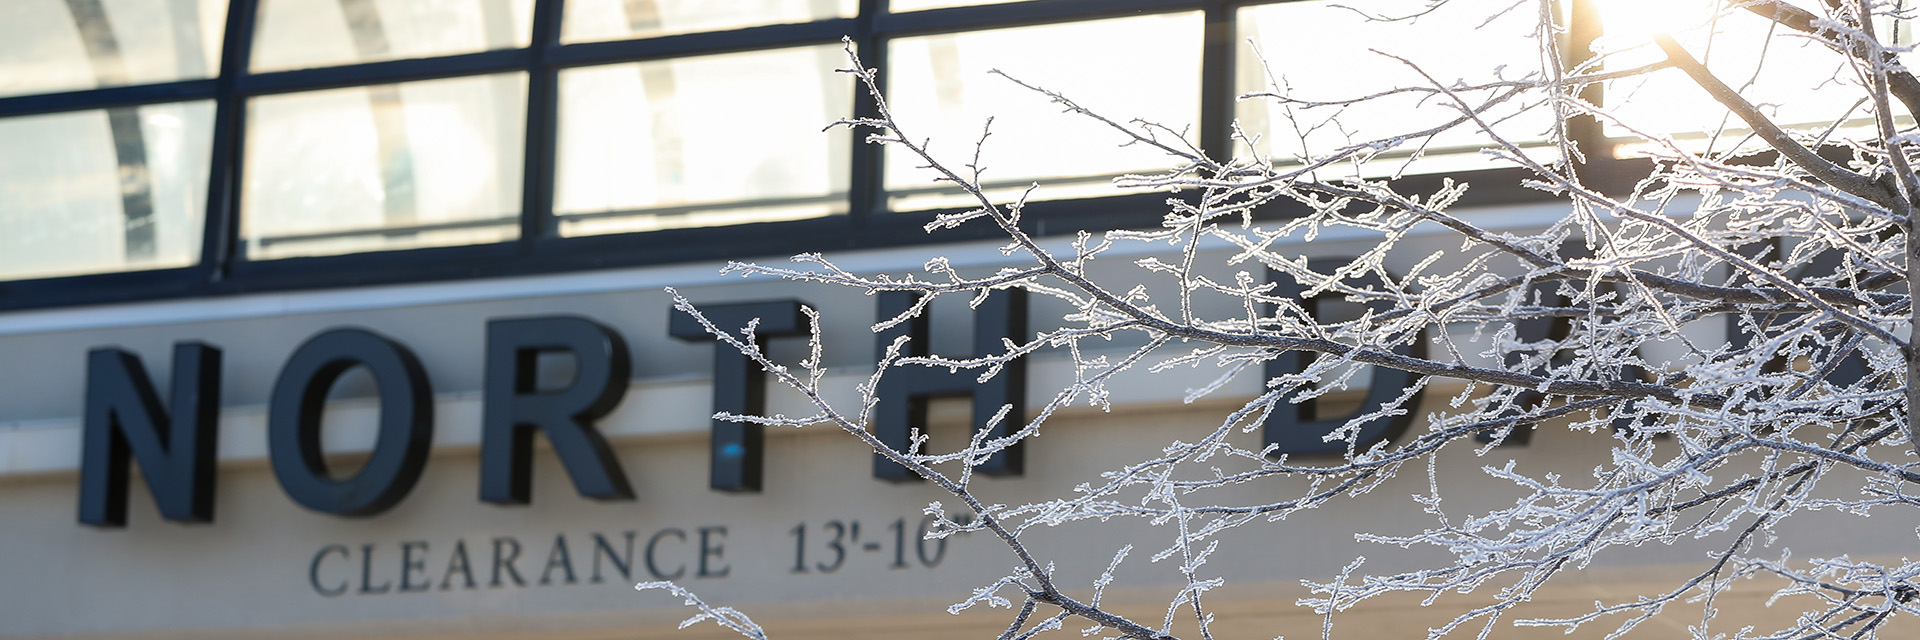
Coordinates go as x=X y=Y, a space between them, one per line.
x=405 y=427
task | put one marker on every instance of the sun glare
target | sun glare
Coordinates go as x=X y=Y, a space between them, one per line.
x=1792 y=80
x=1630 y=23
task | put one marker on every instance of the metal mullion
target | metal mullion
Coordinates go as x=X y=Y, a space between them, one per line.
x=98 y=288
x=222 y=222
x=866 y=187
x=537 y=165
x=1217 y=60
x=385 y=72
x=1020 y=14
x=368 y=268
x=1587 y=132
x=108 y=97
x=221 y=271
x=695 y=44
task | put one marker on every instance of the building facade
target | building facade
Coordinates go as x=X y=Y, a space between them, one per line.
x=383 y=221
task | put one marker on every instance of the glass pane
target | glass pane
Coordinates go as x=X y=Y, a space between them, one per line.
x=297 y=34
x=1299 y=68
x=386 y=167
x=593 y=20
x=67 y=45
x=680 y=143
x=1793 y=79
x=105 y=190
x=1143 y=67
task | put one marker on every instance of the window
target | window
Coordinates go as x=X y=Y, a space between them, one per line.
x=384 y=167
x=1299 y=66
x=201 y=147
x=103 y=189
x=695 y=142
x=63 y=45
x=599 y=20
x=299 y=34
x=942 y=88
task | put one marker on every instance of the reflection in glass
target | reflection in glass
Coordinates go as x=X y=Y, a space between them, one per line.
x=593 y=20
x=1302 y=68
x=104 y=190
x=297 y=34
x=386 y=167
x=698 y=142
x=67 y=45
x=1143 y=67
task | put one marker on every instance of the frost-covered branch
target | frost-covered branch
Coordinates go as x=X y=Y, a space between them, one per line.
x=1729 y=338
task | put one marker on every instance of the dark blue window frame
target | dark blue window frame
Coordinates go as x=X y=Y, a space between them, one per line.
x=222 y=270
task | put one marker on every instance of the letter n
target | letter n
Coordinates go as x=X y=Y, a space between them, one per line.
x=125 y=421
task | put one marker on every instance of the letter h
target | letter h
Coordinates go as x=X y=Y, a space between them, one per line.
x=903 y=392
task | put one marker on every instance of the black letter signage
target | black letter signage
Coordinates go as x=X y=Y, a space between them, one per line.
x=1533 y=331
x=514 y=407
x=738 y=449
x=1743 y=328
x=176 y=452
x=1539 y=329
x=299 y=398
x=903 y=393
x=1293 y=427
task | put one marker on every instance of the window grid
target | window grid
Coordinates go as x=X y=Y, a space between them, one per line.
x=223 y=269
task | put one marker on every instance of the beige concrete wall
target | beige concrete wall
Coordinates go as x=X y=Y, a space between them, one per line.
x=248 y=574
